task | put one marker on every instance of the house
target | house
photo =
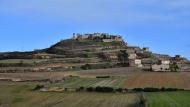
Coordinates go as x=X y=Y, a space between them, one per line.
x=138 y=63
x=42 y=56
x=146 y=49
x=107 y=40
x=132 y=56
x=165 y=62
x=116 y=38
x=161 y=67
x=104 y=37
x=135 y=63
x=111 y=56
x=184 y=67
x=112 y=38
x=161 y=56
x=147 y=67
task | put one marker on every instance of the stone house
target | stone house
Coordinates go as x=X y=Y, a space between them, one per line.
x=107 y=40
x=111 y=56
x=132 y=56
x=161 y=67
x=138 y=63
x=42 y=56
x=135 y=63
x=104 y=37
x=165 y=62
x=112 y=39
x=146 y=49
x=131 y=50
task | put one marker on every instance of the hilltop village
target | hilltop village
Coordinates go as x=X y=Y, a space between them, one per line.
x=91 y=51
x=137 y=57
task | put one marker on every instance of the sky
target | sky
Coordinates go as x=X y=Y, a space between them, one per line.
x=162 y=25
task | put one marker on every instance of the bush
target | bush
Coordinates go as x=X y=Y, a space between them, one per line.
x=102 y=76
x=81 y=88
x=138 y=89
x=104 y=89
x=38 y=87
x=171 y=89
x=90 y=89
x=119 y=90
x=142 y=102
x=86 y=67
x=151 y=89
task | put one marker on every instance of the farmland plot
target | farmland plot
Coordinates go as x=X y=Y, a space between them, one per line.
x=116 y=82
x=168 y=99
x=20 y=95
x=153 y=79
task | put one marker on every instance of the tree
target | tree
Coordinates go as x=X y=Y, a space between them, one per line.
x=123 y=56
x=86 y=67
x=174 y=67
x=21 y=63
x=142 y=102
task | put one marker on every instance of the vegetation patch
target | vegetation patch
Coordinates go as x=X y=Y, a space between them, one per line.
x=102 y=76
x=168 y=99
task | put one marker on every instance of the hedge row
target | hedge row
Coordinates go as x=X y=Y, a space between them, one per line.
x=148 y=89
x=111 y=90
x=151 y=89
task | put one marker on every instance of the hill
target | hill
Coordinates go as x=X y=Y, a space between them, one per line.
x=91 y=51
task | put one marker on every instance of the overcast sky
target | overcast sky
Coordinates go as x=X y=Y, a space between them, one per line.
x=162 y=25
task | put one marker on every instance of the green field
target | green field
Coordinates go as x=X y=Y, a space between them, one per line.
x=115 y=82
x=168 y=99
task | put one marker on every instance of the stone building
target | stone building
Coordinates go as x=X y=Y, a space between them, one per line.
x=104 y=37
x=163 y=66
x=146 y=49
x=132 y=56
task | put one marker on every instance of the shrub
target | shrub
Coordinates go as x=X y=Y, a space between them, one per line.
x=90 y=89
x=119 y=90
x=123 y=56
x=138 y=89
x=102 y=76
x=104 y=89
x=171 y=89
x=150 y=89
x=38 y=87
x=142 y=102
x=86 y=67
x=81 y=88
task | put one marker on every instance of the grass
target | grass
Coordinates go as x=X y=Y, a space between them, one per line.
x=20 y=95
x=27 y=61
x=115 y=82
x=168 y=99
x=14 y=94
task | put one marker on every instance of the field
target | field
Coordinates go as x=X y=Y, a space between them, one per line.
x=158 y=80
x=115 y=82
x=20 y=95
x=132 y=78
x=168 y=99
x=27 y=61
